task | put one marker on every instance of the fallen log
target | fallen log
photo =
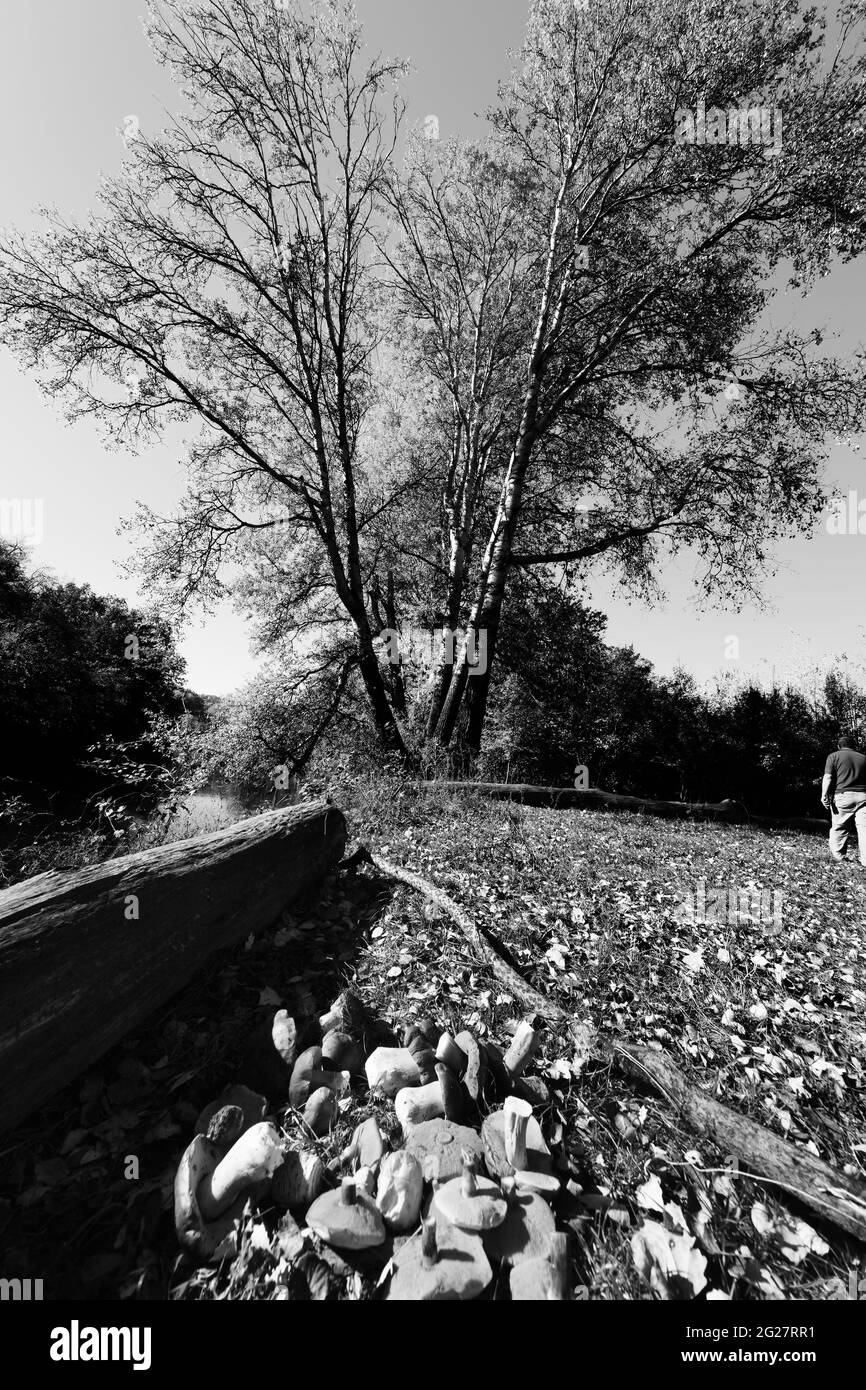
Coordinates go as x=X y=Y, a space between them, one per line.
x=830 y=1195
x=566 y=798
x=88 y=955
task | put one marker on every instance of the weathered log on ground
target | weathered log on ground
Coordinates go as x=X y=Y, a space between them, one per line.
x=829 y=1194
x=86 y=956
x=564 y=798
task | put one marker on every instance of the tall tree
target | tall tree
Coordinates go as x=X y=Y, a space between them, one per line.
x=649 y=263
x=228 y=285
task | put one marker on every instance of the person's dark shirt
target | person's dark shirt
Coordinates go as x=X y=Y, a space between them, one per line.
x=847 y=769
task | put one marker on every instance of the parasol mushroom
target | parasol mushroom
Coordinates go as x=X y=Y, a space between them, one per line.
x=443 y=1264
x=524 y=1233
x=471 y=1202
x=438 y=1146
x=347 y=1218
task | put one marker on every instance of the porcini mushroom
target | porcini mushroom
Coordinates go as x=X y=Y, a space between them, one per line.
x=389 y=1069
x=415 y=1104
x=399 y=1192
x=366 y=1147
x=443 y=1264
x=309 y=1075
x=448 y=1052
x=475 y=1070
x=526 y=1128
x=524 y=1046
x=253 y=1105
x=246 y=1169
x=453 y=1095
x=206 y=1240
x=471 y=1202
x=544 y=1278
x=425 y=1058
x=347 y=1218
x=226 y=1128
x=342 y=1053
x=298 y=1180
x=347 y=1014
x=320 y=1111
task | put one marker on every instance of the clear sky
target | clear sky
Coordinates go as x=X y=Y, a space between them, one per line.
x=71 y=71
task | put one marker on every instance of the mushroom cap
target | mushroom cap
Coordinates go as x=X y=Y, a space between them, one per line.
x=250 y=1102
x=461 y=1271
x=226 y=1127
x=438 y=1146
x=298 y=1179
x=309 y=1062
x=477 y=1211
x=321 y=1110
x=416 y=1104
x=493 y=1134
x=349 y=1226
x=206 y=1240
x=342 y=1053
x=366 y=1146
x=400 y=1189
x=284 y=1036
x=524 y=1233
x=546 y=1185
x=532 y=1281
x=389 y=1069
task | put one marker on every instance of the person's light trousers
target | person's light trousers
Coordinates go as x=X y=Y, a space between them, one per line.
x=850 y=811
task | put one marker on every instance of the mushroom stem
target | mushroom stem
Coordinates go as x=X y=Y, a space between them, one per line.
x=468 y=1185
x=429 y=1248
x=348 y=1192
x=251 y=1161
x=452 y=1055
x=557 y=1278
x=523 y=1047
x=517 y=1115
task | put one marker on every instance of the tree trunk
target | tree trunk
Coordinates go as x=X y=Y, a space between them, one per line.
x=86 y=956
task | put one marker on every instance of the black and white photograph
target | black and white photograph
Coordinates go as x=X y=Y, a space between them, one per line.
x=432 y=677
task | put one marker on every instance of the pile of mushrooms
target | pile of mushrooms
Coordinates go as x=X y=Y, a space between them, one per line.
x=470 y=1190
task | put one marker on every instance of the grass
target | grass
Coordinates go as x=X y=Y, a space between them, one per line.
x=591 y=907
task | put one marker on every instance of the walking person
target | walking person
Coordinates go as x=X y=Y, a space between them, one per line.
x=843 y=792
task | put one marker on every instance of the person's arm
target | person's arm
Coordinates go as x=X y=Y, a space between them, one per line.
x=827 y=790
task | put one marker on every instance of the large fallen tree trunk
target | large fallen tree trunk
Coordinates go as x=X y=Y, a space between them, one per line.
x=570 y=797
x=86 y=956
x=829 y=1194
